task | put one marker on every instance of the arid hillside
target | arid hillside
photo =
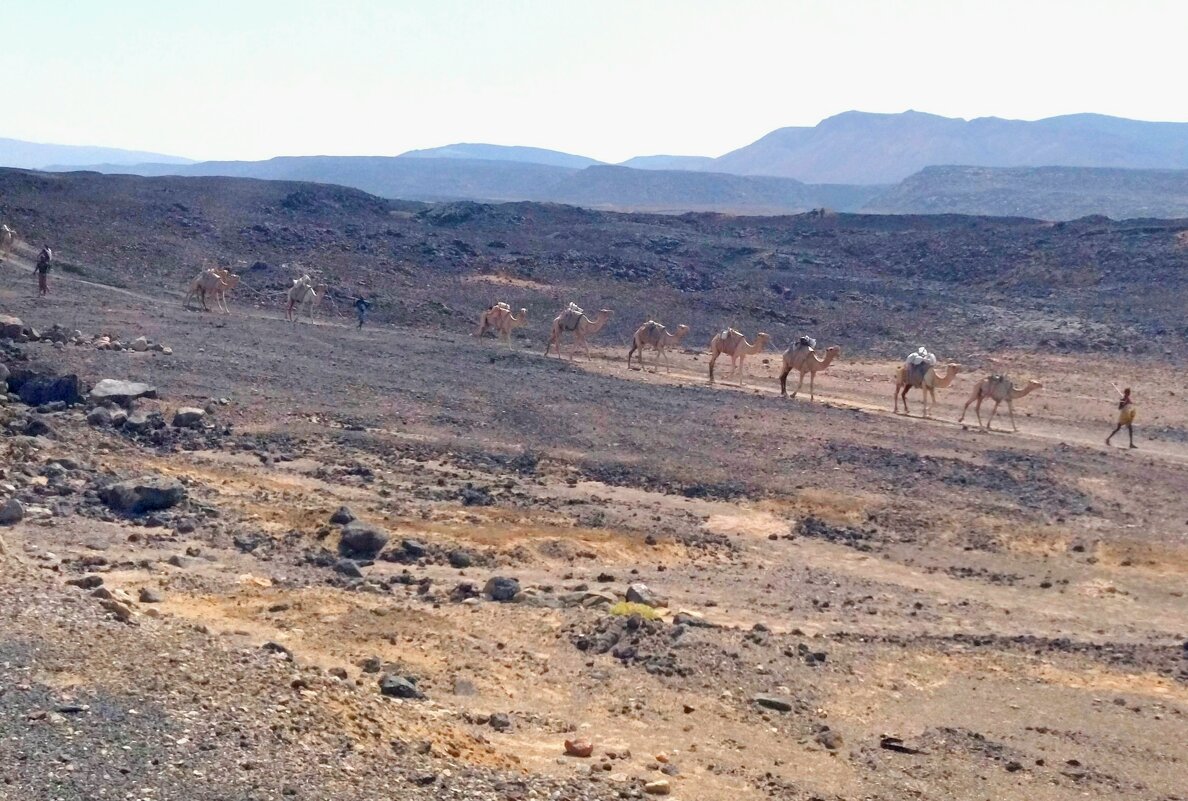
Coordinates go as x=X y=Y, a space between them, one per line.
x=882 y=283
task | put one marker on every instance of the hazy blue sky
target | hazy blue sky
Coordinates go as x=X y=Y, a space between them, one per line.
x=609 y=79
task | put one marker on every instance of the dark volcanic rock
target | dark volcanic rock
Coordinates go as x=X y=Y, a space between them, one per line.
x=771 y=702
x=144 y=494
x=342 y=516
x=360 y=541
x=501 y=588
x=348 y=567
x=399 y=687
x=38 y=390
x=13 y=511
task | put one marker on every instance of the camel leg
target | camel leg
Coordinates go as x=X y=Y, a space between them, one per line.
x=990 y=420
x=812 y=380
x=965 y=409
x=799 y=386
x=1011 y=409
x=903 y=395
x=784 y=381
x=667 y=363
x=629 y=357
x=713 y=358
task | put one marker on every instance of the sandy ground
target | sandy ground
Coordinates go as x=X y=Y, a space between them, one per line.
x=1009 y=606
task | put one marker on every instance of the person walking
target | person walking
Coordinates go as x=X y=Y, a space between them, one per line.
x=1126 y=413
x=361 y=307
x=43 y=264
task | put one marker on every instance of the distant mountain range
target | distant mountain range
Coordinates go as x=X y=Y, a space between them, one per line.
x=1057 y=168
x=36 y=156
x=857 y=147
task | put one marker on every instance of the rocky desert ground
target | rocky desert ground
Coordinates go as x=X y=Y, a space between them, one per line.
x=402 y=562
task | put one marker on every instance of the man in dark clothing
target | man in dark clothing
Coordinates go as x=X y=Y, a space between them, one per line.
x=43 y=265
x=361 y=307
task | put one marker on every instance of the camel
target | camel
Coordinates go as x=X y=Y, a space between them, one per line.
x=499 y=318
x=575 y=321
x=802 y=357
x=734 y=345
x=654 y=335
x=303 y=294
x=922 y=376
x=7 y=240
x=218 y=281
x=997 y=388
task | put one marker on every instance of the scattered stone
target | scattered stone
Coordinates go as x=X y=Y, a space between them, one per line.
x=100 y=416
x=360 y=541
x=500 y=722
x=395 y=686
x=86 y=582
x=460 y=559
x=121 y=610
x=582 y=749
x=658 y=787
x=121 y=392
x=188 y=417
x=830 y=739
x=145 y=494
x=774 y=703
x=339 y=673
x=150 y=596
x=640 y=593
x=13 y=511
x=343 y=516
x=277 y=648
x=501 y=588
x=414 y=549
x=184 y=562
x=348 y=567
x=140 y=344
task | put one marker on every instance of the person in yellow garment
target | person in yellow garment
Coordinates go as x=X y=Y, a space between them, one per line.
x=1126 y=412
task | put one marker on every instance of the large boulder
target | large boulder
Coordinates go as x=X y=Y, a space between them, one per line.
x=145 y=494
x=502 y=589
x=361 y=541
x=11 y=327
x=13 y=511
x=640 y=593
x=188 y=417
x=121 y=392
x=42 y=389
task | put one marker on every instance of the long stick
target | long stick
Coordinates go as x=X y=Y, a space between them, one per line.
x=1115 y=386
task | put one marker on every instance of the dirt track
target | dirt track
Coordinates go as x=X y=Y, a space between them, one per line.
x=1010 y=605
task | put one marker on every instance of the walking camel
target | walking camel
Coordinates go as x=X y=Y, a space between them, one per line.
x=573 y=320
x=499 y=318
x=997 y=388
x=7 y=240
x=802 y=357
x=655 y=336
x=217 y=281
x=734 y=345
x=303 y=294
x=922 y=376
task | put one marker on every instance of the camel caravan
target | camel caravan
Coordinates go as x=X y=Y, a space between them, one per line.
x=217 y=282
x=920 y=370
